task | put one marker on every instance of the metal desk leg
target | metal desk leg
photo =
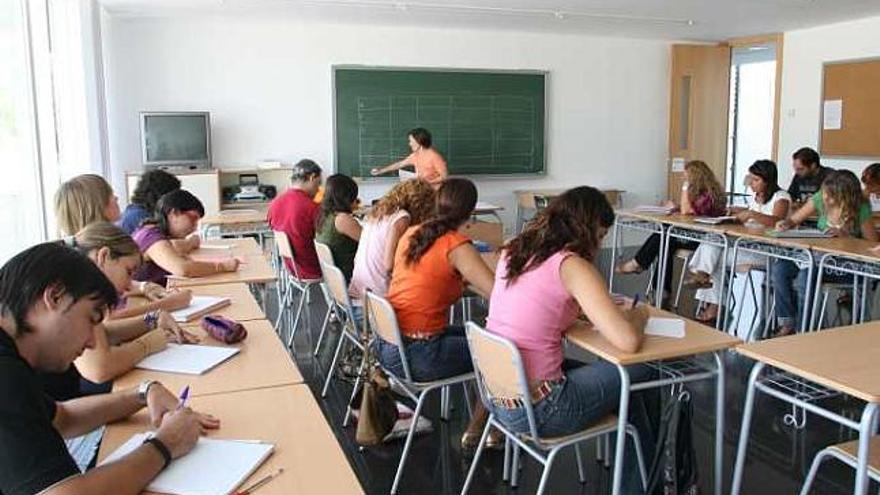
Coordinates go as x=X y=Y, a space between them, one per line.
x=662 y=259
x=866 y=429
x=748 y=409
x=615 y=236
x=719 y=422
x=622 y=415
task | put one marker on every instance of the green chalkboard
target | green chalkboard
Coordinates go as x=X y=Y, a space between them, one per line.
x=483 y=123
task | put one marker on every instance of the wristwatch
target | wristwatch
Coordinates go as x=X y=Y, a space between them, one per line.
x=143 y=389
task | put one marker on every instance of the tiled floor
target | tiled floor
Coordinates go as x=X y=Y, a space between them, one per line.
x=778 y=459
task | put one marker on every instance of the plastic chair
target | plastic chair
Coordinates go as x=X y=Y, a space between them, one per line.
x=846 y=453
x=292 y=282
x=334 y=282
x=500 y=373
x=325 y=256
x=383 y=325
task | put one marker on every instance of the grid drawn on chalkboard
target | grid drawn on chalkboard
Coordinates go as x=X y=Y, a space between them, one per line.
x=483 y=133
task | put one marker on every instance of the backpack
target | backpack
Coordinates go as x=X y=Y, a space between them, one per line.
x=673 y=470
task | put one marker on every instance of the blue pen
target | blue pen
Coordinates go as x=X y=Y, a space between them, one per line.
x=184 y=395
x=635 y=301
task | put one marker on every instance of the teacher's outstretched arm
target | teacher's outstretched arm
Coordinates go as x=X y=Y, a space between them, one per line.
x=389 y=168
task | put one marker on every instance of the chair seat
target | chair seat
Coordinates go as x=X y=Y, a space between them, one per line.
x=851 y=450
x=607 y=423
x=423 y=385
x=748 y=267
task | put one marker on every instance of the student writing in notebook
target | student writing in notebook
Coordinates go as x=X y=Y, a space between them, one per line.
x=552 y=261
x=843 y=212
x=767 y=205
x=151 y=186
x=88 y=198
x=165 y=244
x=120 y=343
x=431 y=265
x=701 y=195
x=408 y=203
x=337 y=227
x=51 y=298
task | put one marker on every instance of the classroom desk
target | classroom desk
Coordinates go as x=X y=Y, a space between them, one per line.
x=649 y=223
x=526 y=200
x=287 y=416
x=242 y=307
x=675 y=363
x=255 y=270
x=263 y=362
x=813 y=365
x=246 y=246
x=847 y=256
x=235 y=223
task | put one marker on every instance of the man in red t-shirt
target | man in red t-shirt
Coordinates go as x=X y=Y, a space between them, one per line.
x=295 y=213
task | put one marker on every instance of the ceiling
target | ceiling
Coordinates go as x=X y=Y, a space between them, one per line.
x=703 y=20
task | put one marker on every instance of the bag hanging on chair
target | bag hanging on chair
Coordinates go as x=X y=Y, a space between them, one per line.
x=674 y=468
x=378 y=409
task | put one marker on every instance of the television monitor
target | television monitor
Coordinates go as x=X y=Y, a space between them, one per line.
x=176 y=139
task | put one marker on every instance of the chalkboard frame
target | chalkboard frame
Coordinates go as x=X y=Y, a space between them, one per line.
x=384 y=179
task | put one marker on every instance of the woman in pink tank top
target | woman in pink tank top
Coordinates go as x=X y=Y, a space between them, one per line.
x=551 y=263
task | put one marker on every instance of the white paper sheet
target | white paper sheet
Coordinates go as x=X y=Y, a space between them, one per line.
x=406 y=174
x=187 y=359
x=213 y=467
x=665 y=327
x=832 y=115
x=199 y=305
x=84 y=448
x=678 y=164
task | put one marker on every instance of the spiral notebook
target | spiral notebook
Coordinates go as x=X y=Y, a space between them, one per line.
x=200 y=306
x=213 y=467
x=187 y=359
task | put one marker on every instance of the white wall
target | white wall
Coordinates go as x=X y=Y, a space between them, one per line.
x=267 y=84
x=804 y=53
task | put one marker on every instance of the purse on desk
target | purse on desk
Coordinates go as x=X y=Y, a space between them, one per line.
x=225 y=330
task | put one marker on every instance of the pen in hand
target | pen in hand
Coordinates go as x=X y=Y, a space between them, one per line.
x=184 y=395
x=635 y=302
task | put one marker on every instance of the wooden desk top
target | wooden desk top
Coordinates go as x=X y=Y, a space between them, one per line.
x=243 y=306
x=234 y=217
x=846 y=359
x=255 y=270
x=245 y=246
x=648 y=217
x=699 y=339
x=287 y=416
x=856 y=248
x=262 y=362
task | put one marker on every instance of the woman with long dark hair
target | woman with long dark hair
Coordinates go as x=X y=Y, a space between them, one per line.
x=151 y=186
x=177 y=216
x=767 y=205
x=432 y=263
x=337 y=227
x=552 y=261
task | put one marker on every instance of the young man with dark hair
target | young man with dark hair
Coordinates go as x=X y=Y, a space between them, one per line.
x=51 y=298
x=808 y=175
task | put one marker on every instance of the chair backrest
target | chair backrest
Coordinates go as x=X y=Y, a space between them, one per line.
x=382 y=321
x=325 y=255
x=283 y=244
x=335 y=282
x=499 y=369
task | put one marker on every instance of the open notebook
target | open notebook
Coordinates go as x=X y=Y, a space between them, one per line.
x=187 y=359
x=661 y=210
x=200 y=306
x=213 y=467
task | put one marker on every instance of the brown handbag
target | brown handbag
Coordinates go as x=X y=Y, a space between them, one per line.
x=378 y=409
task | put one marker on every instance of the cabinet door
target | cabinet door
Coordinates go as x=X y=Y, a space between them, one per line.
x=206 y=187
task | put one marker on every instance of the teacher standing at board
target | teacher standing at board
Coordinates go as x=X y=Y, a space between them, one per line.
x=430 y=165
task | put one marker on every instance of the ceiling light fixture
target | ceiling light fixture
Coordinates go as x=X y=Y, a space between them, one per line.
x=476 y=9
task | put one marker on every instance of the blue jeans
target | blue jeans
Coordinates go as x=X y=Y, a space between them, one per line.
x=790 y=286
x=444 y=356
x=589 y=393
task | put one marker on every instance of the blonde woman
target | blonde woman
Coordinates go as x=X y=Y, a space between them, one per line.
x=88 y=198
x=119 y=343
x=701 y=195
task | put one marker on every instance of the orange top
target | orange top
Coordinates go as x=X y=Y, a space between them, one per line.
x=429 y=164
x=422 y=293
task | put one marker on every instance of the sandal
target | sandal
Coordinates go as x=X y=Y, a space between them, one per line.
x=630 y=267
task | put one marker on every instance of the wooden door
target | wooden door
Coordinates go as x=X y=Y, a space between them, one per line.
x=698 y=115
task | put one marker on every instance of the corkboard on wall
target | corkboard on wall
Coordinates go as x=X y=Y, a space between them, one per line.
x=853 y=90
